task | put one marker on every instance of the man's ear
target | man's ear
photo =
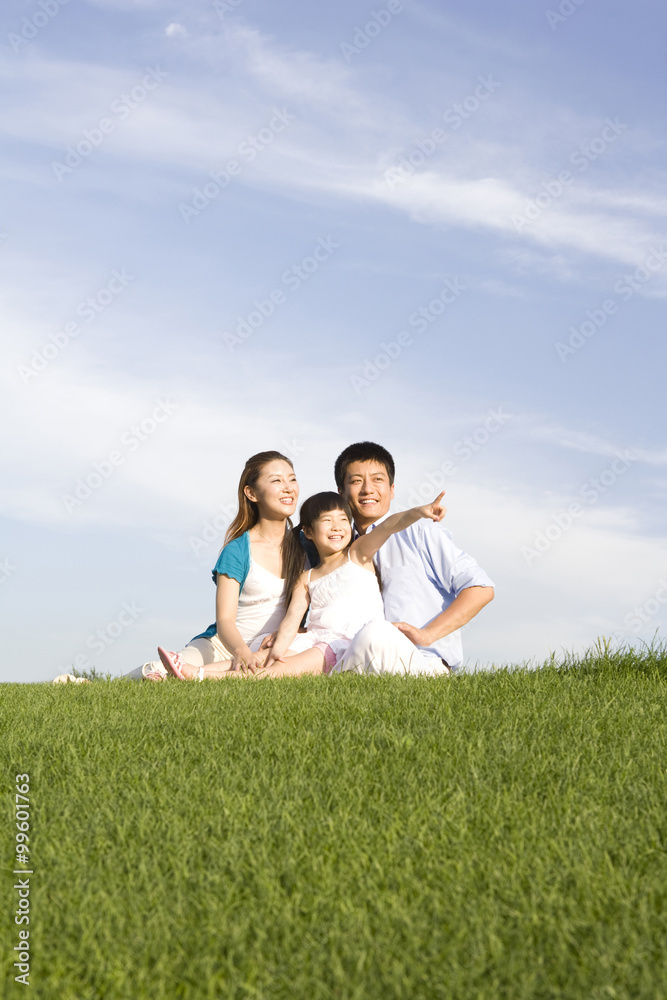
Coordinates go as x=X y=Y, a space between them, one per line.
x=392 y=492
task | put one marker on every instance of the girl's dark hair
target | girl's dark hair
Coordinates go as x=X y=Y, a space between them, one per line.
x=322 y=503
x=311 y=509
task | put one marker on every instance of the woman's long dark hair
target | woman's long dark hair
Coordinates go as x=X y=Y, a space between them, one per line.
x=294 y=553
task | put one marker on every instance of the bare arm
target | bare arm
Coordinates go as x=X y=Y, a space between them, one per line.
x=462 y=609
x=364 y=548
x=290 y=624
x=226 y=608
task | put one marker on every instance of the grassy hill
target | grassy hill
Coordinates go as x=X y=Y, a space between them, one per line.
x=489 y=836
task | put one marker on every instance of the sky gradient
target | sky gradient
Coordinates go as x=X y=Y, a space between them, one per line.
x=244 y=225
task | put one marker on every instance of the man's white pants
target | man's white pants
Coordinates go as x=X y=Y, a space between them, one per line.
x=380 y=648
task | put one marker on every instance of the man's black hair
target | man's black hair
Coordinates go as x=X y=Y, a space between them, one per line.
x=363 y=451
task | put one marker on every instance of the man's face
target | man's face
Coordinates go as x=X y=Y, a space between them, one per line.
x=368 y=491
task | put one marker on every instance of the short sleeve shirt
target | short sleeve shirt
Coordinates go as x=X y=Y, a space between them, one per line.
x=422 y=571
x=234 y=562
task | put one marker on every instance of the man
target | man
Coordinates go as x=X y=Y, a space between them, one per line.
x=431 y=588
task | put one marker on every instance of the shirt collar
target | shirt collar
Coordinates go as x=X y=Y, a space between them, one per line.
x=374 y=524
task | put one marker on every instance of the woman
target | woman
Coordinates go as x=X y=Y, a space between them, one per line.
x=259 y=552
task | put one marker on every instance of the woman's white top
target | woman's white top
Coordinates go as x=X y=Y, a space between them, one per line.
x=341 y=603
x=261 y=605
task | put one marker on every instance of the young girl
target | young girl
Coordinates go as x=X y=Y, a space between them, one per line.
x=249 y=575
x=342 y=590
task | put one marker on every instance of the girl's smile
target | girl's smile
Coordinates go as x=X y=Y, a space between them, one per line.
x=331 y=532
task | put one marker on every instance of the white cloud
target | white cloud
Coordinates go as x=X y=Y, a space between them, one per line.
x=334 y=147
x=551 y=604
x=502 y=288
x=223 y=85
x=590 y=444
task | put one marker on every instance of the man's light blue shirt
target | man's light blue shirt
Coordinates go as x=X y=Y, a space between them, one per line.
x=422 y=572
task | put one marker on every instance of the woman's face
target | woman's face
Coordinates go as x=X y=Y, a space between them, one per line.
x=276 y=491
x=331 y=532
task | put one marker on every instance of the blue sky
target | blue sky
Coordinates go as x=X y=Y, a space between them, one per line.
x=244 y=225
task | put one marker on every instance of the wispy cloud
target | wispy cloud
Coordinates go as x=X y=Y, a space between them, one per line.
x=590 y=444
x=289 y=385
x=190 y=125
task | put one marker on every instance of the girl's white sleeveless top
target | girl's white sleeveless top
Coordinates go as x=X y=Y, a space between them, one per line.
x=342 y=602
x=261 y=606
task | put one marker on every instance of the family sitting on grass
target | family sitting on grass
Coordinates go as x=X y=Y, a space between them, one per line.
x=383 y=593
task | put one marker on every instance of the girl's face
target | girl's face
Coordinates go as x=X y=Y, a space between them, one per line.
x=276 y=491
x=331 y=532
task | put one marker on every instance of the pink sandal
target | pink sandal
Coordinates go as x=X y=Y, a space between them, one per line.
x=174 y=664
x=153 y=675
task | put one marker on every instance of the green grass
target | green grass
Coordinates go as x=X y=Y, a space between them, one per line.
x=490 y=836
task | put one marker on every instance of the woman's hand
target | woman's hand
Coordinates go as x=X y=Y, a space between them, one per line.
x=268 y=641
x=434 y=510
x=277 y=655
x=248 y=662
